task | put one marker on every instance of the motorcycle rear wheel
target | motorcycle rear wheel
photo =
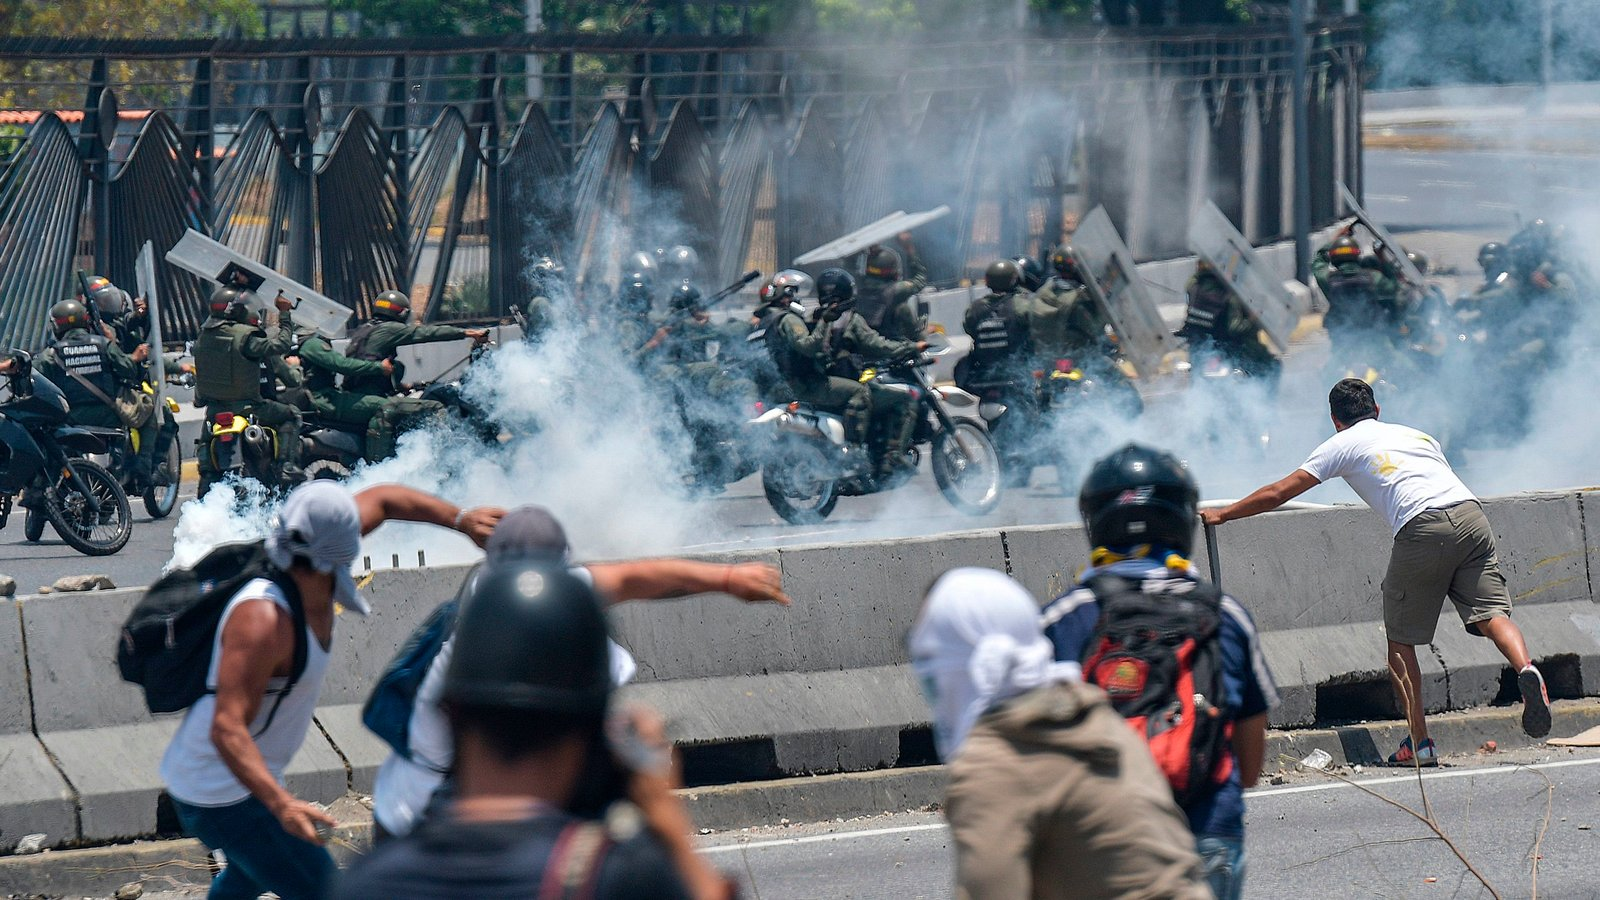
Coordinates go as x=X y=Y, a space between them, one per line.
x=966 y=467
x=798 y=484
x=90 y=533
x=159 y=500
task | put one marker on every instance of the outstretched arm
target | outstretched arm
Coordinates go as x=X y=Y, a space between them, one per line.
x=1263 y=499
x=396 y=502
x=664 y=579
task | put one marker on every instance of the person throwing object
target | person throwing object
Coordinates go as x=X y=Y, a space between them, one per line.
x=1442 y=547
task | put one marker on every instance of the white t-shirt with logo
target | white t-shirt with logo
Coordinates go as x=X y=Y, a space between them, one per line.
x=1398 y=471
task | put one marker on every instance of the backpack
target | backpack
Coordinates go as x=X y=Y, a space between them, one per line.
x=1159 y=658
x=168 y=638
x=387 y=713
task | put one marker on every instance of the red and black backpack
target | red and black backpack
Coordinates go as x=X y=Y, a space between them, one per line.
x=1158 y=656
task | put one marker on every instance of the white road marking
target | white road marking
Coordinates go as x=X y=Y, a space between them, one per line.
x=1390 y=198
x=1411 y=776
x=819 y=838
x=1487 y=771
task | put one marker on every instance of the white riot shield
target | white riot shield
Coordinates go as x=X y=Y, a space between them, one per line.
x=867 y=235
x=214 y=262
x=1407 y=270
x=1114 y=282
x=145 y=277
x=1268 y=302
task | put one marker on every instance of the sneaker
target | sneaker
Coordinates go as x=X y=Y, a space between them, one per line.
x=1535 y=702
x=1425 y=755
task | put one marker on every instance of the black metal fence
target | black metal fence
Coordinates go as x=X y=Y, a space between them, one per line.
x=445 y=167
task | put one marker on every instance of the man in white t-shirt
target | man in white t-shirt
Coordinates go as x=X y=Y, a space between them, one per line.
x=224 y=767
x=406 y=783
x=1442 y=547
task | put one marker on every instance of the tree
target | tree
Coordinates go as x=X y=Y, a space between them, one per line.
x=424 y=17
x=127 y=18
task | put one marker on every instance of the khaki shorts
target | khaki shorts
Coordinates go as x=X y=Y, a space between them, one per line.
x=1439 y=553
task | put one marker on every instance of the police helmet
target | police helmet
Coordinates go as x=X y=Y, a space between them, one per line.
x=786 y=286
x=884 y=263
x=107 y=297
x=228 y=302
x=637 y=294
x=1002 y=276
x=1032 y=272
x=836 y=288
x=1418 y=259
x=1140 y=495
x=641 y=261
x=680 y=263
x=1345 y=249
x=547 y=270
x=68 y=315
x=1065 y=263
x=685 y=298
x=391 y=305
x=1492 y=258
x=531 y=638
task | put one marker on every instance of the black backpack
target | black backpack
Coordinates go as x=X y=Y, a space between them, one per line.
x=1159 y=658
x=166 y=642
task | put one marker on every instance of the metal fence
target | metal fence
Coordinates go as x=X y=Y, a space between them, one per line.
x=446 y=166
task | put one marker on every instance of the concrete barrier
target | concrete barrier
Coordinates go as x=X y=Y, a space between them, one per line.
x=96 y=728
x=759 y=691
x=36 y=798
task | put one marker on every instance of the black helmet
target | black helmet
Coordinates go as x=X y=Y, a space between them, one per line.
x=1531 y=247
x=1345 y=249
x=680 y=263
x=1492 y=258
x=67 y=315
x=685 y=298
x=108 y=297
x=884 y=263
x=547 y=270
x=1032 y=272
x=1140 y=495
x=228 y=302
x=1002 y=276
x=641 y=261
x=391 y=305
x=836 y=288
x=637 y=294
x=1065 y=262
x=1418 y=259
x=532 y=638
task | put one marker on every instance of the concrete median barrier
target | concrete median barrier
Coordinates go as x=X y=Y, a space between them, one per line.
x=36 y=798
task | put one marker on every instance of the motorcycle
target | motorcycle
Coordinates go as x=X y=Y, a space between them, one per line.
x=122 y=445
x=43 y=458
x=807 y=468
x=1068 y=395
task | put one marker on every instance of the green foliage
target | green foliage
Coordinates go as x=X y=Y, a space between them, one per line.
x=432 y=17
x=128 y=18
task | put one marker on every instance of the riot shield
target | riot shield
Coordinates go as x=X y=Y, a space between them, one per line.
x=145 y=278
x=214 y=262
x=867 y=235
x=1114 y=283
x=1268 y=302
x=1407 y=271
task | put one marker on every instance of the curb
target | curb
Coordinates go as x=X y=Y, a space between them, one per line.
x=160 y=864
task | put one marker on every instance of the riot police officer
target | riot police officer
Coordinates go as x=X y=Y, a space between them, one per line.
x=127 y=317
x=1363 y=301
x=388 y=330
x=847 y=343
x=800 y=353
x=1065 y=322
x=888 y=302
x=233 y=373
x=323 y=366
x=549 y=280
x=1000 y=365
x=1217 y=319
x=91 y=371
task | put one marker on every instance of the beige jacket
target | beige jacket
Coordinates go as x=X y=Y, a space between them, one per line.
x=1054 y=796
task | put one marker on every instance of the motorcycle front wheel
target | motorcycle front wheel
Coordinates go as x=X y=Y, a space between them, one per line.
x=91 y=532
x=33 y=525
x=160 y=499
x=799 y=484
x=966 y=467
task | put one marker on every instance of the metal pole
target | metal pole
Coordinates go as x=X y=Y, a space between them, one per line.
x=1212 y=556
x=533 y=22
x=1302 y=144
x=1547 y=40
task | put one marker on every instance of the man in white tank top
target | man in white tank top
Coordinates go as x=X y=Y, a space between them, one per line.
x=224 y=768
x=1442 y=547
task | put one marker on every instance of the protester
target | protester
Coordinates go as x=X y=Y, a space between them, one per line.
x=1442 y=547
x=530 y=746
x=406 y=782
x=1139 y=509
x=224 y=767
x=1051 y=794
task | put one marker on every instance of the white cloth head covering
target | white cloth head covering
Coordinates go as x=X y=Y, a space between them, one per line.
x=978 y=643
x=320 y=521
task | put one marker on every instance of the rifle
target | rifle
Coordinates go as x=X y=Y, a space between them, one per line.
x=716 y=298
x=88 y=301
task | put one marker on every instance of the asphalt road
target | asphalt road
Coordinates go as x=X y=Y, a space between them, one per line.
x=1469 y=190
x=1312 y=838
